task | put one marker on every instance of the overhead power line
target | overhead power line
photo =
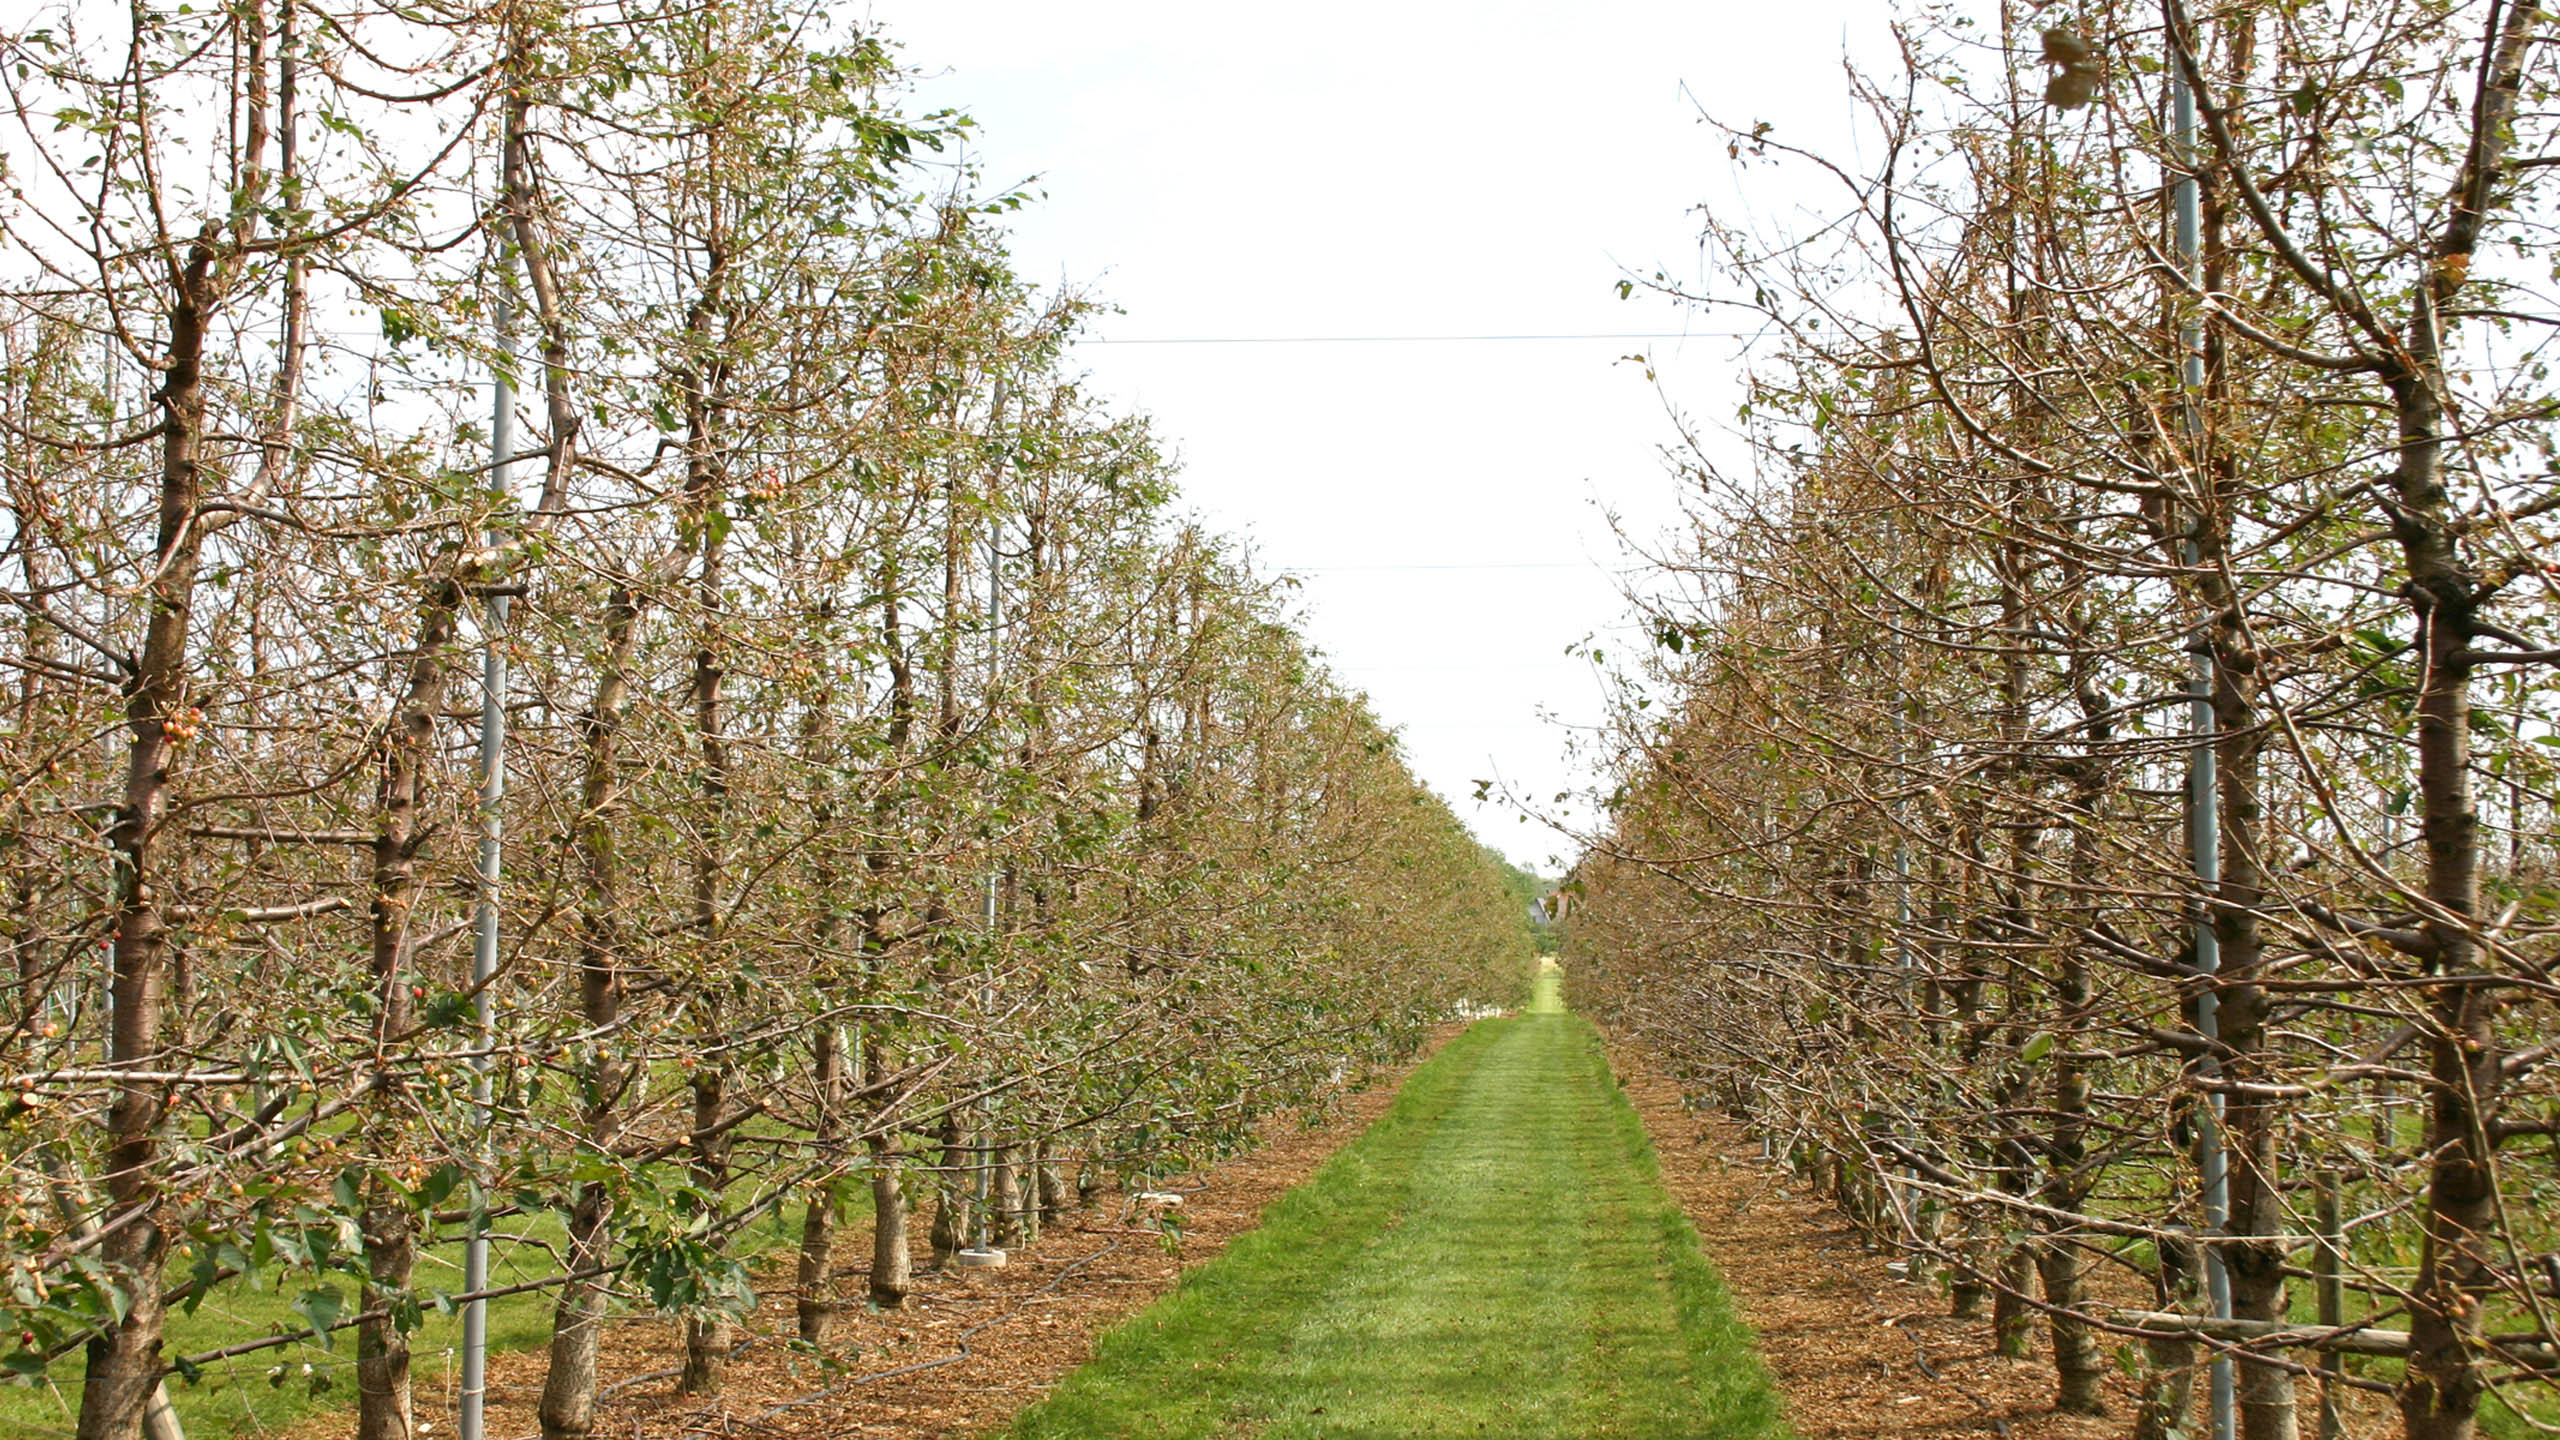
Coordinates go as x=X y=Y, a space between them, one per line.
x=1402 y=339
x=1489 y=565
x=1501 y=666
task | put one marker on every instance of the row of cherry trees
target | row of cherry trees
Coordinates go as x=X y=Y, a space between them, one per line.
x=2094 y=799
x=896 y=802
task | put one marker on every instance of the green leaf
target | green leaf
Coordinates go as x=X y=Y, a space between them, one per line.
x=206 y=1272
x=442 y=1182
x=322 y=1307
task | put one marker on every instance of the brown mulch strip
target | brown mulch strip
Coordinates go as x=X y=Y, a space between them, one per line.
x=984 y=1344
x=1845 y=1338
x=1855 y=1349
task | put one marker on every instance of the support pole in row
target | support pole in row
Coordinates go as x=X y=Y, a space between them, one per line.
x=2204 y=836
x=493 y=791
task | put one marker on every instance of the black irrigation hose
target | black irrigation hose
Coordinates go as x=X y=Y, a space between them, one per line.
x=957 y=1355
x=1999 y=1426
x=645 y=1376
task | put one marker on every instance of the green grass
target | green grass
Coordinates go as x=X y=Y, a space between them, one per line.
x=1496 y=1256
x=243 y=1396
x=237 y=1397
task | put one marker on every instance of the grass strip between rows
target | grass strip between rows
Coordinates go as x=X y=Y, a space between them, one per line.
x=1496 y=1255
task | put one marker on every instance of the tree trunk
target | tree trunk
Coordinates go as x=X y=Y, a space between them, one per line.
x=2078 y=1362
x=2257 y=1269
x=2013 y=1319
x=568 y=1408
x=1004 y=1196
x=816 y=1301
x=569 y=1386
x=2442 y=1389
x=815 y=1274
x=384 y=1409
x=124 y=1359
x=2168 y=1405
x=892 y=1268
x=1966 y=1290
x=708 y=1336
x=951 y=1211
x=1052 y=1183
x=2080 y=1367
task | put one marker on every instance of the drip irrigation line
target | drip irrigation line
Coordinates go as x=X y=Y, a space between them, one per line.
x=960 y=1353
x=1920 y=1352
x=645 y=1376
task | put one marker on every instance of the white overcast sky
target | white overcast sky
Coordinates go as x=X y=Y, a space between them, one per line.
x=1393 y=168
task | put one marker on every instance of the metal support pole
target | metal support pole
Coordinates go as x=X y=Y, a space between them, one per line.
x=2327 y=1264
x=2204 y=837
x=1906 y=957
x=2204 y=841
x=983 y=1187
x=493 y=790
x=995 y=604
x=995 y=674
x=986 y=1149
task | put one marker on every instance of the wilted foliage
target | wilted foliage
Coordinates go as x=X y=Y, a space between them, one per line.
x=2105 y=823
x=894 y=791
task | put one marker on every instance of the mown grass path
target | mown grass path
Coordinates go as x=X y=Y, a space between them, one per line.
x=1496 y=1256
